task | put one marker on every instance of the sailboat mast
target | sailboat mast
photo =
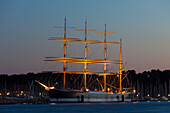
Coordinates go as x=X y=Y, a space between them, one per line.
x=105 y=56
x=120 y=73
x=85 y=55
x=65 y=47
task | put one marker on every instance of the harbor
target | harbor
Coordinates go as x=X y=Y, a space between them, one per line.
x=23 y=87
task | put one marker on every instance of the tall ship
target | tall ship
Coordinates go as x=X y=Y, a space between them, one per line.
x=105 y=91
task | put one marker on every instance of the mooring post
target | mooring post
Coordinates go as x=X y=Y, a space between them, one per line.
x=117 y=98
x=122 y=98
x=82 y=98
x=78 y=99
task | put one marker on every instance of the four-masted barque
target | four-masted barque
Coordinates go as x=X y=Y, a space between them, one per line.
x=84 y=94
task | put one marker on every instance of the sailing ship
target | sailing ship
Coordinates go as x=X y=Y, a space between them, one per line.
x=84 y=94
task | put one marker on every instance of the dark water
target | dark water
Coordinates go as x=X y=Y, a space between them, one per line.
x=140 y=107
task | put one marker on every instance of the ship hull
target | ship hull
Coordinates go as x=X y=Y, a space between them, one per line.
x=60 y=95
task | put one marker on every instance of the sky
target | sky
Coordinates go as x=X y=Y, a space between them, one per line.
x=26 y=25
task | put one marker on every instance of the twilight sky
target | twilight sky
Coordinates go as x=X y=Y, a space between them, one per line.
x=25 y=26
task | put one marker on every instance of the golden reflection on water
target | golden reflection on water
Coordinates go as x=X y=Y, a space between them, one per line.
x=136 y=102
x=53 y=103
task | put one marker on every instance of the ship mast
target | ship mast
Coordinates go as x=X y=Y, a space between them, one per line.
x=120 y=73
x=105 y=56
x=85 y=51
x=65 y=49
x=85 y=55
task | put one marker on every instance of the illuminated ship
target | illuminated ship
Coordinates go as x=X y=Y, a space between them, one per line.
x=84 y=94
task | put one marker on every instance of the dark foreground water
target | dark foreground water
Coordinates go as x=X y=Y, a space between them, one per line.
x=140 y=107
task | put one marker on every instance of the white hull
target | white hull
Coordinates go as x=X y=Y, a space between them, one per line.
x=91 y=96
